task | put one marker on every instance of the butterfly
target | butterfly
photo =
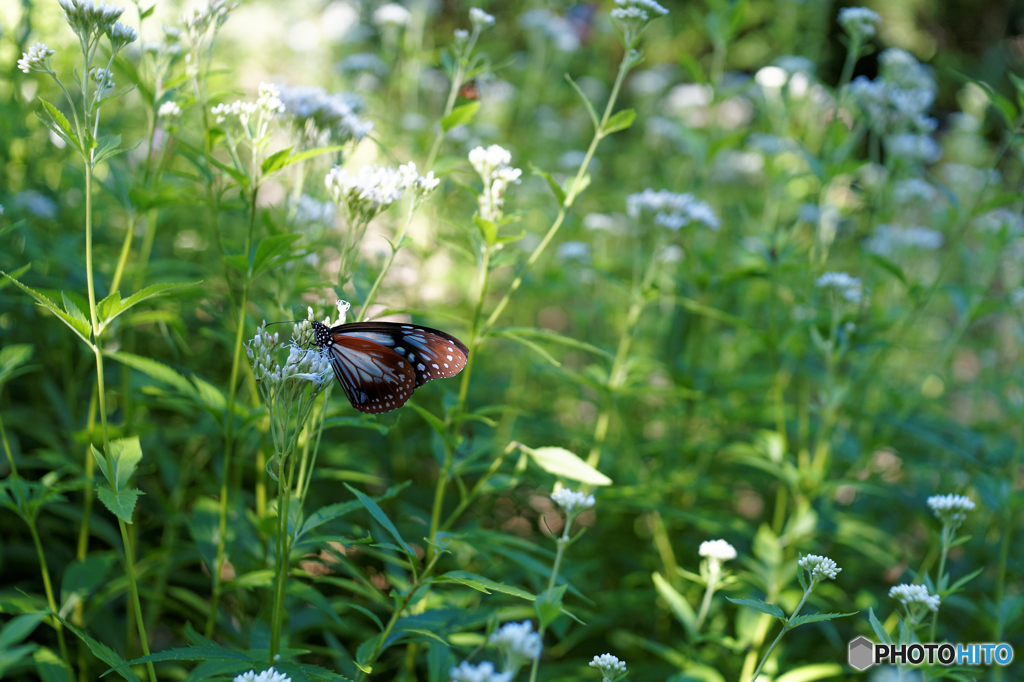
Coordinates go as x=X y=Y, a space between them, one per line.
x=380 y=364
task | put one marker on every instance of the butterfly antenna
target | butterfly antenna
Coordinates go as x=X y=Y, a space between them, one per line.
x=271 y=324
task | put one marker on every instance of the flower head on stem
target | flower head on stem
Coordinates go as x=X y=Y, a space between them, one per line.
x=517 y=643
x=819 y=568
x=37 y=59
x=951 y=509
x=631 y=18
x=268 y=675
x=610 y=666
x=492 y=164
x=483 y=672
x=573 y=504
x=846 y=286
x=916 y=600
x=859 y=22
x=716 y=552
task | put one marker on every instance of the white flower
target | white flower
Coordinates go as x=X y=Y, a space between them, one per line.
x=36 y=59
x=461 y=36
x=392 y=14
x=571 y=501
x=492 y=164
x=717 y=550
x=859 y=22
x=845 y=285
x=169 y=109
x=121 y=35
x=897 y=100
x=914 y=190
x=670 y=209
x=268 y=675
x=1000 y=219
x=889 y=240
x=631 y=18
x=951 y=509
x=425 y=184
x=819 y=567
x=364 y=195
x=480 y=19
x=484 y=672
x=318 y=112
x=910 y=595
x=89 y=19
x=104 y=80
x=915 y=149
x=610 y=666
x=517 y=643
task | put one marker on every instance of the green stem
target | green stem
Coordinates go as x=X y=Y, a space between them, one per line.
x=577 y=187
x=372 y=296
x=713 y=571
x=787 y=626
x=947 y=539
x=562 y=543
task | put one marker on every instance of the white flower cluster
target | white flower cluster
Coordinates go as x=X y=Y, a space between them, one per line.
x=717 y=550
x=670 y=209
x=637 y=9
x=889 y=240
x=912 y=595
x=305 y=362
x=859 y=22
x=845 y=285
x=169 y=109
x=897 y=100
x=571 y=501
x=914 y=190
x=517 y=643
x=492 y=164
x=480 y=19
x=268 y=675
x=104 y=80
x=36 y=59
x=914 y=148
x=266 y=105
x=121 y=36
x=820 y=567
x=318 y=112
x=392 y=14
x=951 y=509
x=610 y=666
x=484 y=672
x=90 y=19
x=363 y=195
x=1000 y=220
x=214 y=16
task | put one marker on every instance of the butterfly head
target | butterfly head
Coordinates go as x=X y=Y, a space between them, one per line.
x=321 y=334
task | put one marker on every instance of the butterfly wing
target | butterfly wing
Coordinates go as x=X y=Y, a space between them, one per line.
x=432 y=353
x=375 y=378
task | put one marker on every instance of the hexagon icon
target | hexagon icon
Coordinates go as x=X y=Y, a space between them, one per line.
x=862 y=653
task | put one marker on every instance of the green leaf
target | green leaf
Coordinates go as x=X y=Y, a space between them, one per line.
x=439 y=662
x=430 y=418
x=108 y=306
x=818 y=617
x=310 y=153
x=880 y=631
x=590 y=107
x=104 y=653
x=478 y=582
x=770 y=609
x=126 y=454
x=142 y=295
x=620 y=121
x=12 y=656
x=275 y=161
x=18 y=628
x=555 y=337
x=460 y=116
x=889 y=267
x=561 y=462
x=83 y=576
x=7 y=279
x=146 y=13
x=121 y=504
x=106 y=146
x=156 y=370
x=555 y=187
x=488 y=229
x=239 y=177
x=61 y=126
x=45 y=302
x=382 y=519
x=271 y=252
x=677 y=604
x=190 y=653
x=334 y=511
x=12 y=358
x=49 y=666
x=549 y=605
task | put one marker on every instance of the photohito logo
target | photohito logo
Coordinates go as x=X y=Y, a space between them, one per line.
x=864 y=653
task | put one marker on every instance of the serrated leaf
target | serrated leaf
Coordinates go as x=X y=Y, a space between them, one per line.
x=104 y=653
x=63 y=126
x=382 y=519
x=51 y=306
x=271 y=251
x=49 y=666
x=460 y=116
x=620 y=121
x=83 y=576
x=488 y=229
x=156 y=370
x=82 y=324
x=334 y=511
x=121 y=504
x=106 y=146
x=142 y=295
x=818 y=617
x=770 y=609
x=561 y=462
x=111 y=304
